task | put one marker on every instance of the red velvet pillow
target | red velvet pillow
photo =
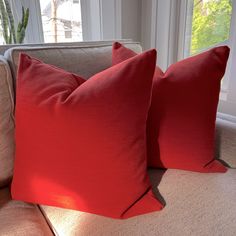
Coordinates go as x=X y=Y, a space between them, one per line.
x=181 y=120
x=82 y=144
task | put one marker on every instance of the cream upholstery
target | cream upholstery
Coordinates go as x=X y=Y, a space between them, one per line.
x=6 y=123
x=20 y=219
x=226 y=140
x=196 y=205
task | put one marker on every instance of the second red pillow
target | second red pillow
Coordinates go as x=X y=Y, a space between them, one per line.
x=181 y=120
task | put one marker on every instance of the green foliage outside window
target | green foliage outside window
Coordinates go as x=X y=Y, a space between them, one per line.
x=211 y=23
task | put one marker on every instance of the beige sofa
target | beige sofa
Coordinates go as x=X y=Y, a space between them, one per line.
x=196 y=204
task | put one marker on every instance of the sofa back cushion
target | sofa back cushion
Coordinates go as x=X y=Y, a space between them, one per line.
x=6 y=123
x=85 y=59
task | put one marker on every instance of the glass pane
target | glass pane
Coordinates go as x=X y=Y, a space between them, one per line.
x=210 y=23
x=61 y=20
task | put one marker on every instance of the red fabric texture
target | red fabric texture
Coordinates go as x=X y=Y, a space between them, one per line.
x=181 y=119
x=82 y=144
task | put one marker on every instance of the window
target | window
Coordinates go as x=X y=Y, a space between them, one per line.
x=61 y=20
x=52 y=21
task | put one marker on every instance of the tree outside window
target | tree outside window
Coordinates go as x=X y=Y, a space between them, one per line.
x=210 y=23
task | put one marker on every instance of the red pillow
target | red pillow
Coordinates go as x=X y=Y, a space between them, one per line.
x=82 y=144
x=181 y=119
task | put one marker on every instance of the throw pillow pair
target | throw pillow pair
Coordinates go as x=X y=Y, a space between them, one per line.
x=84 y=145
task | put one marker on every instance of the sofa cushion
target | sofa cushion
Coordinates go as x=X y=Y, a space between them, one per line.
x=66 y=125
x=85 y=59
x=226 y=140
x=181 y=119
x=6 y=123
x=20 y=219
x=196 y=204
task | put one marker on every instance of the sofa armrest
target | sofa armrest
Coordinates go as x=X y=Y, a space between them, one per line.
x=226 y=140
